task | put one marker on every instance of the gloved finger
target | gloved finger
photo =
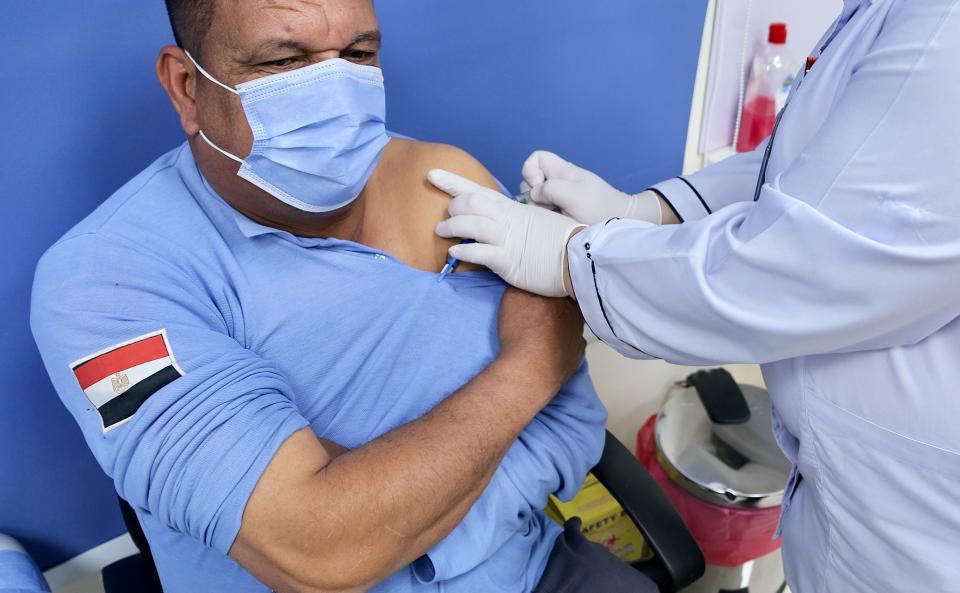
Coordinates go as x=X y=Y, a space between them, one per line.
x=454 y=184
x=489 y=256
x=544 y=166
x=532 y=173
x=525 y=187
x=486 y=203
x=537 y=197
x=478 y=228
x=558 y=193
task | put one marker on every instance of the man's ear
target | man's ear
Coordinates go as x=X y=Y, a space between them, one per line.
x=178 y=77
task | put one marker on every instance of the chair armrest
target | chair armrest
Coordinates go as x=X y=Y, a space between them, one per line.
x=678 y=560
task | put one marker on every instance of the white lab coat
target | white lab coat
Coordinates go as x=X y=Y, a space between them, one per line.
x=843 y=279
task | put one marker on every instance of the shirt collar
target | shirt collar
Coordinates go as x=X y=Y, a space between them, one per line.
x=250 y=228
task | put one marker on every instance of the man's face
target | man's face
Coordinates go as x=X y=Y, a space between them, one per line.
x=250 y=39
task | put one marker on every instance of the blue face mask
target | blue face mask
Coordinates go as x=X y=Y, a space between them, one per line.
x=318 y=132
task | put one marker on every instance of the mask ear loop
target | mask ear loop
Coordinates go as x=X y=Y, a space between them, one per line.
x=220 y=150
x=209 y=77
x=232 y=90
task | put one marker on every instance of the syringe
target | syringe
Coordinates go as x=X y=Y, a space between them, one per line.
x=452 y=262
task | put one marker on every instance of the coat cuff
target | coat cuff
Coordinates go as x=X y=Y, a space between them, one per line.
x=683 y=198
x=587 y=284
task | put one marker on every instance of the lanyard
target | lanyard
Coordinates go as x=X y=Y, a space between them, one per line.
x=776 y=126
x=766 y=156
x=762 y=180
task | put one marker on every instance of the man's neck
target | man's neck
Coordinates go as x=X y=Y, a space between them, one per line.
x=346 y=224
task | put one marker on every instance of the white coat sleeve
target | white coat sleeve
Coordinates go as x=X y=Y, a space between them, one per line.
x=855 y=246
x=692 y=197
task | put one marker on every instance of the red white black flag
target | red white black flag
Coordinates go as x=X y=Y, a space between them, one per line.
x=119 y=379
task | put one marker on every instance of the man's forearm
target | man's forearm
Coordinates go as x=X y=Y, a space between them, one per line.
x=375 y=509
x=454 y=516
x=430 y=472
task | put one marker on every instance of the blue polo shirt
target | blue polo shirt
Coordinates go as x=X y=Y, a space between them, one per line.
x=190 y=342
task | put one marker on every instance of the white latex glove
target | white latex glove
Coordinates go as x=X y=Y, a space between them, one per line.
x=554 y=183
x=525 y=245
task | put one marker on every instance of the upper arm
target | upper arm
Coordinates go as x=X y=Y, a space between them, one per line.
x=187 y=449
x=431 y=203
x=455 y=160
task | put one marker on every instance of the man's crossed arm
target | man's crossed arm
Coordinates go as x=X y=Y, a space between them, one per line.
x=407 y=490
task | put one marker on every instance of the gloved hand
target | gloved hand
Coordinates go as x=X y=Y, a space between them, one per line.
x=582 y=195
x=525 y=245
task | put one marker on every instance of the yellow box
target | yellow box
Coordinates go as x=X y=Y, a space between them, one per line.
x=603 y=520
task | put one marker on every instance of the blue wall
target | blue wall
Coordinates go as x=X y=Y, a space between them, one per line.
x=607 y=84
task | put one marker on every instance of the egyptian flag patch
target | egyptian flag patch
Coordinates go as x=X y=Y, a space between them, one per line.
x=119 y=379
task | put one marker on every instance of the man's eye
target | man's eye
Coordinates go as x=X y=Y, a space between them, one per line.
x=359 y=56
x=281 y=63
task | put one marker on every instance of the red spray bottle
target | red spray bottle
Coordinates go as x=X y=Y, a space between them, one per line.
x=770 y=76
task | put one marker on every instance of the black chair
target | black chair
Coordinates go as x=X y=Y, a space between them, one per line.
x=677 y=560
x=137 y=573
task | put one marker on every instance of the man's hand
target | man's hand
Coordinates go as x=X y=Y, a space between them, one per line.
x=547 y=333
x=525 y=245
x=583 y=196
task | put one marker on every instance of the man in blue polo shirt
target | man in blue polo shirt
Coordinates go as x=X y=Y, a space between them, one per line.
x=252 y=338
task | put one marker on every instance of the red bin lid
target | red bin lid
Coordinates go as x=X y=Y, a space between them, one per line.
x=733 y=465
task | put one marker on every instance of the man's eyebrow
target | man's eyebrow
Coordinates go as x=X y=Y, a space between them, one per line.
x=272 y=45
x=366 y=36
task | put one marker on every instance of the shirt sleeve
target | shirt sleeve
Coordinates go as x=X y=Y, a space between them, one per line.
x=853 y=247
x=562 y=443
x=189 y=447
x=732 y=180
x=553 y=455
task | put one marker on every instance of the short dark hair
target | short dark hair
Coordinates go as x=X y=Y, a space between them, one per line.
x=190 y=20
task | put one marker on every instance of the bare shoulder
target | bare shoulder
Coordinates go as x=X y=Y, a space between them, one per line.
x=459 y=161
x=415 y=202
x=422 y=157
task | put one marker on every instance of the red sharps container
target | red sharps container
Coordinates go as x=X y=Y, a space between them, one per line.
x=711 y=449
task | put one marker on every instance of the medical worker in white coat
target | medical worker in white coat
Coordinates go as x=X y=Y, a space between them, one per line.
x=839 y=272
